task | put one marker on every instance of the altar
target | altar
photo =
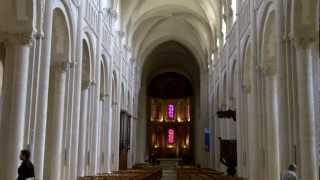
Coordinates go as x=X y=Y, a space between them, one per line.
x=169 y=129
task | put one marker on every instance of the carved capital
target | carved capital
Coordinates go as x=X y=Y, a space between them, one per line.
x=121 y=34
x=304 y=36
x=39 y=35
x=268 y=69
x=246 y=88
x=22 y=38
x=104 y=97
x=85 y=84
x=62 y=66
x=113 y=13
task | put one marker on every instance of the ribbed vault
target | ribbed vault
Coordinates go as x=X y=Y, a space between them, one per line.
x=149 y=23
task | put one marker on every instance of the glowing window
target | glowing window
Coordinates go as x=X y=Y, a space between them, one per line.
x=170 y=136
x=171 y=111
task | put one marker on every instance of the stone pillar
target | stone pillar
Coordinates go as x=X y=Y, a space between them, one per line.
x=43 y=87
x=54 y=151
x=14 y=109
x=83 y=129
x=306 y=122
x=271 y=121
x=115 y=135
x=104 y=131
x=78 y=98
x=109 y=134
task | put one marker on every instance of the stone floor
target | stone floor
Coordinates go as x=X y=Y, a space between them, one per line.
x=169 y=167
x=169 y=175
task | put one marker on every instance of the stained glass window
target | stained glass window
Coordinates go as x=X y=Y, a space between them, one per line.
x=170 y=111
x=170 y=136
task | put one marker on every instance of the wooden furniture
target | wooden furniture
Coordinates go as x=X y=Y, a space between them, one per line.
x=202 y=174
x=144 y=173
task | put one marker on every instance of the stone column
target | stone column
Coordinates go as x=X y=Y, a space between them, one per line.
x=104 y=130
x=271 y=120
x=115 y=135
x=14 y=109
x=109 y=135
x=83 y=129
x=306 y=122
x=79 y=96
x=42 y=99
x=54 y=151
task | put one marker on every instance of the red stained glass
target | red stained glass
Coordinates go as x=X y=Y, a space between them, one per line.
x=170 y=136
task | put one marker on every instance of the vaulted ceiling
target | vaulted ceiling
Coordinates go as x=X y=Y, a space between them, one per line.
x=149 y=23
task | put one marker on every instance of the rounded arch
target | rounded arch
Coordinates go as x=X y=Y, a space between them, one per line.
x=61 y=45
x=88 y=41
x=104 y=64
x=267 y=7
x=247 y=67
x=86 y=62
x=191 y=47
x=65 y=11
x=269 y=44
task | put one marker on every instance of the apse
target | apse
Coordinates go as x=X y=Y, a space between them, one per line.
x=169 y=103
x=169 y=117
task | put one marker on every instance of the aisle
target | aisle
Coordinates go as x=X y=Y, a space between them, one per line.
x=169 y=167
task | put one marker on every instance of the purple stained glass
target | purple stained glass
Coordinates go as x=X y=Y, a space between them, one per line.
x=171 y=111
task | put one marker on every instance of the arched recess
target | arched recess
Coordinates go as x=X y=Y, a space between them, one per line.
x=103 y=105
x=85 y=104
x=248 y=120
x=60 y=56
x=178 y=58
x=269 y=124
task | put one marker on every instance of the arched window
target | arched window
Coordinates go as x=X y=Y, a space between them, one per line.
x=171 y=136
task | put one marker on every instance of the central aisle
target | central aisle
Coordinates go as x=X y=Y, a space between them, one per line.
x=169 y=168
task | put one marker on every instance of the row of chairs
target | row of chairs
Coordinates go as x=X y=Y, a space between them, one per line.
x=130 y=174
x=202 y=174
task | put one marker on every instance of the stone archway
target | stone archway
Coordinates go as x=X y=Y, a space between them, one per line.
x=86 y=83
x=269 y=124
x=248 y=120
x=60 y=56
x=169 y=57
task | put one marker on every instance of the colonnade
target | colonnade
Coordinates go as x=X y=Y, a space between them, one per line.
x=278 y=93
